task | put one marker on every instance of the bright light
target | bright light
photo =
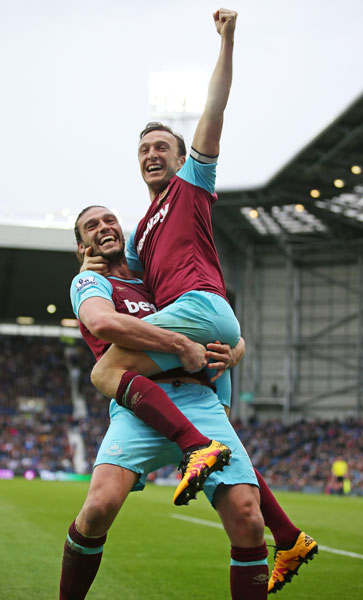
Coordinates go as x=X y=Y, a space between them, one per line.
x=356 y=169
x=299 y=207
x=177 y=93
x=66 y=212
x=51 y=308
x=69 y=323
x=339 y=183
x=25 y=320
x=253 y=213
x=49 y=217
x=315 y=193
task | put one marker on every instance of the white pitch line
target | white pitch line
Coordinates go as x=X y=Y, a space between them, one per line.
x=220 y=526
x=198 y=521
x=341 y=552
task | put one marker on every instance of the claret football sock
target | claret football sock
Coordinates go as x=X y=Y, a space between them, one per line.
x=81 y=560
x=152 y=405
x=249 y=573
x=283 y=530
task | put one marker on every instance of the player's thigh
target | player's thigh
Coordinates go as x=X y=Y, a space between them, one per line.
x=202 y=407
x=201 y=316
x=132 y=444
x=117 y=359
x=111 y=483
x=109 y=488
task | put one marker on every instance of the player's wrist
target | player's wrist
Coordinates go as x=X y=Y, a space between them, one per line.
x=227 y=44
x=182 y=344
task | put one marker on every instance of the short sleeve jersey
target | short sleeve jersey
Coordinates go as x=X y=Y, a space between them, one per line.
x=173 y=244
x=129 y=297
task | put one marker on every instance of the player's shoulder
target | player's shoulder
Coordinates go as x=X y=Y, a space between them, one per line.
x=199 y=170
x=87 y=279
x=89 y=284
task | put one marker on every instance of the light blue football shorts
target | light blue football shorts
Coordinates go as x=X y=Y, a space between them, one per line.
x=203 y=317
x=132 y=444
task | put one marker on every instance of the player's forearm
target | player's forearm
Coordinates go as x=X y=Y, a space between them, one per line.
x=209 y=129
x=221 y=81
x=237 y=353
x=128 y=332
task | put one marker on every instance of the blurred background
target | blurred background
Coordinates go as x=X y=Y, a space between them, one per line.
x=79 y=81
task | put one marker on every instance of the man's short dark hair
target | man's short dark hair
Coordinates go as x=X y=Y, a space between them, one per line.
x=156 y=126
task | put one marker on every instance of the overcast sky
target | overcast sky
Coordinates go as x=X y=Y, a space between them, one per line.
x=74 y=91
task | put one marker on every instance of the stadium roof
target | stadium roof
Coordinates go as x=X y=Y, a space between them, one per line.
x=317 y=196
x=37 y=263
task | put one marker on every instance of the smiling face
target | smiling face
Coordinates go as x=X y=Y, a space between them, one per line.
x=159 y=159
x=99 y=228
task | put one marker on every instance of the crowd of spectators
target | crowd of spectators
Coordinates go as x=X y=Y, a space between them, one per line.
x=33 y=367
x=298 y=456
x=93 y=427
x=36 y=405
x=35 y=442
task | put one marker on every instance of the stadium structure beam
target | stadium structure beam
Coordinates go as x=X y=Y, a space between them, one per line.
x=310 y=410
x=346 y=134
x=238 y=309
x=327 y=215
x=258 y=332
x=323 y=395
x=251 y=329
x=332 y=359
x=293 y=328
x=7 y=275
x=323 y=277
x=230 y=243
x=329 y=328
x=350 y=247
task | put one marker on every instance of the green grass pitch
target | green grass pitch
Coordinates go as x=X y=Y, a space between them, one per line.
x=155 y=551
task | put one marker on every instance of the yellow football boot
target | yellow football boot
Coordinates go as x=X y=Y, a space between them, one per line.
x=196 y=466
x=287 y=562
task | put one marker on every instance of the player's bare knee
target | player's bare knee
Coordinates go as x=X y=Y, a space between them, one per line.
x=97 y=515
x=255 y=526
x=240 y=511
x=248 y=523
x=252 y=516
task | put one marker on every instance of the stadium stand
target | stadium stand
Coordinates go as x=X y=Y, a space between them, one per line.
x=38 y=413
x=35 y=442
x=291 y=252
x=299 y=456
x=39 y=417
x=34 y=369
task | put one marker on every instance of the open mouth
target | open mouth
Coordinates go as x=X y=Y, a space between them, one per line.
x=106 y=240
x=153 y=168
